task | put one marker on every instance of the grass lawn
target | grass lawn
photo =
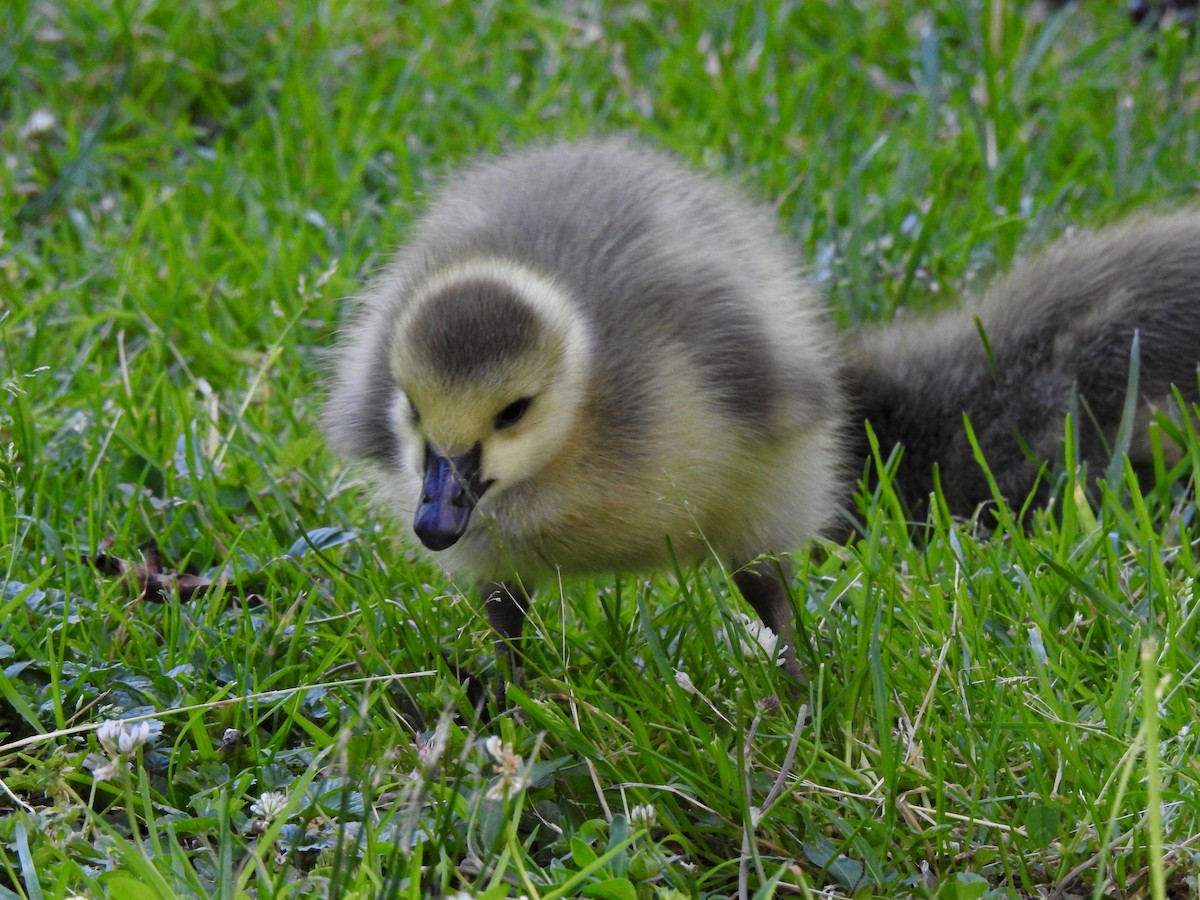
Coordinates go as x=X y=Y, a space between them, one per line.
x=1002 y=707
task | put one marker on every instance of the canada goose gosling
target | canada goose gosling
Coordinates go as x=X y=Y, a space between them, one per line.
x=1059 y=334
x=585 y=359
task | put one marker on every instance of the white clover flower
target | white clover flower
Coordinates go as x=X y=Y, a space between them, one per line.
x=509 y=763
x=270 y=805
x=122 y=739
x=508 y=766
x=133 y=737
x=108 y=734
x=494 y=746
x=753 y=638
x=507 y=786
x=108 y=771
x=643 y=816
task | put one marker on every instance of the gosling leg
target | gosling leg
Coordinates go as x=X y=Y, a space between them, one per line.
x=506 y=606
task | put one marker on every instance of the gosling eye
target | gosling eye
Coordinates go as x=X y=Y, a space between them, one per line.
x=512 y=414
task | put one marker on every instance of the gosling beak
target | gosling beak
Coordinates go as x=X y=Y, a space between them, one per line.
x=449 y=493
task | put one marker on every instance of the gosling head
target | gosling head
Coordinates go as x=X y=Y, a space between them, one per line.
x=490 y=361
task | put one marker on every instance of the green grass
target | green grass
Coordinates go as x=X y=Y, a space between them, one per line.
x=995 y=712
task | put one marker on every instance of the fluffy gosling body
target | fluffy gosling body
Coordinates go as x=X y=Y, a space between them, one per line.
x=1059 y=333
x=588 y=358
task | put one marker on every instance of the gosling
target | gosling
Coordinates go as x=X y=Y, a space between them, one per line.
x=589 y=359
x=1055 y=335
